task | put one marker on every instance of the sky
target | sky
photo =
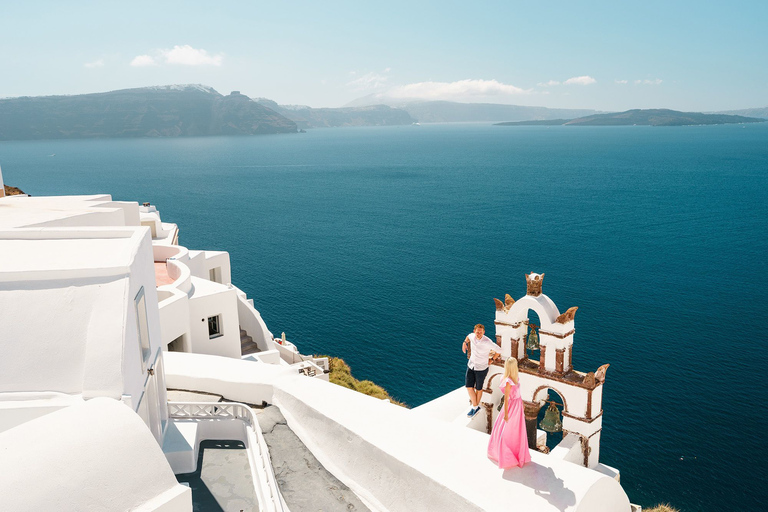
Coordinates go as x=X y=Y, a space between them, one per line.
x=607 y=55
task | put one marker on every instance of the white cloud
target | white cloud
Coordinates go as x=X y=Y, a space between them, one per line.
x=95 y=64
x=580 y=80
x=657 y=81
x=185 y=55
x=369 y=81
x=143 y=61
x=455 y=90
x=621 y=81
x=551 y=83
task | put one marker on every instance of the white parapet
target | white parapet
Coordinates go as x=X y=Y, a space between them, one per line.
x=395 y=458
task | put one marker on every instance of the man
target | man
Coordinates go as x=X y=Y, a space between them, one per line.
x=479 y=347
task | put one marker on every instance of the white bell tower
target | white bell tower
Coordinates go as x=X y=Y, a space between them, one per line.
x=581 y=392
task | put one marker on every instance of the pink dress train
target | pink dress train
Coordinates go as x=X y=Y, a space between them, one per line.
x=508 y=446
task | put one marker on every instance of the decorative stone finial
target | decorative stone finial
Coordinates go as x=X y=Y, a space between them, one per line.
x=534 y=283
x=504 y=306
x=567 y=316
x=600 y=373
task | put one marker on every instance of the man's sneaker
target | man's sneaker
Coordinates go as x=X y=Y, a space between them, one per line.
x=473 y=411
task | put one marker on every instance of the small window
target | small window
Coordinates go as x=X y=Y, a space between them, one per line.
x=214 y=326
x=215 y=274
x=143 y=327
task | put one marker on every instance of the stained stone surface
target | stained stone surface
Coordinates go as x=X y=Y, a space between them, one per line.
x=304 y=483
x=222 y=481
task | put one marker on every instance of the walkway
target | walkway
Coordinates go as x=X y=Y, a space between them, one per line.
x=304 y=483
x=222 y=482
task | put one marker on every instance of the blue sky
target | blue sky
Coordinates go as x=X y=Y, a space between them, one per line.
x=608 y=55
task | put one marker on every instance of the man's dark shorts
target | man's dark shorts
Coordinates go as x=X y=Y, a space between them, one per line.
x=476 y=379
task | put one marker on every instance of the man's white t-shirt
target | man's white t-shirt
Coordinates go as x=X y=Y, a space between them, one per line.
x=481 y=351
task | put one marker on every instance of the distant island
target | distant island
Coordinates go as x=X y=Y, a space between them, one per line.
x=369 y=115
x=649 y=117
x=455 y=112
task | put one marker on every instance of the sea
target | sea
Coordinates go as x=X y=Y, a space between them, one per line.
x=386 y=245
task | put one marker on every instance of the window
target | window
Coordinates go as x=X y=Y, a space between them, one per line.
x=142 y=328
x=214 y=326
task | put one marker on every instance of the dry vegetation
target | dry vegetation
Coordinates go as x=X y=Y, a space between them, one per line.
x=12 y=191
x=341 y=374
x=661 y=508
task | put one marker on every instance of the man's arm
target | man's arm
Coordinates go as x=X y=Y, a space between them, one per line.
x=465 y=345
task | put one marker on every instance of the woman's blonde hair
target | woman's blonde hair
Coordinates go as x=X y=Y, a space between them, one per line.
x=510 y=370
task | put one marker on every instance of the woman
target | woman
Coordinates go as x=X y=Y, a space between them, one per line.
x=508 y=446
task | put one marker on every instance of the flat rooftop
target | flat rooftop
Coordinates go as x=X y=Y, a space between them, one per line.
x=64 y=254
x=23 y=211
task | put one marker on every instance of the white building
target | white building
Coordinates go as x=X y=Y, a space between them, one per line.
x=103 y=312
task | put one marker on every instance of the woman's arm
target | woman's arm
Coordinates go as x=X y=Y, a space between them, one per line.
x=507 y=391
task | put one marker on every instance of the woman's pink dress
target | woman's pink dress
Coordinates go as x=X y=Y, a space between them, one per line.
x=508 y=446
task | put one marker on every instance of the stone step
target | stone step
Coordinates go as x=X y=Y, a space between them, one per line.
x=249 y=348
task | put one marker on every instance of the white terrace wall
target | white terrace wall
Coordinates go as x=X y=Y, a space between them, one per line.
x=250 y=320
x=130 y=211
x=201 y=263
x=174 y=314
x=224 y=304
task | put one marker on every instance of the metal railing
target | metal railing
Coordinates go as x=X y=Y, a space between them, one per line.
x=261 y=465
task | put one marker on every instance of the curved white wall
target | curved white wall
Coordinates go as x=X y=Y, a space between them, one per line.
x=95 y=456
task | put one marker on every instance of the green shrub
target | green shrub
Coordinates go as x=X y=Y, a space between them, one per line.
x=341 y=374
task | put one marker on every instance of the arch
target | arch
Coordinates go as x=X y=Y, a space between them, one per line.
x=546 y=387
x=541 y=305
x=489 y=387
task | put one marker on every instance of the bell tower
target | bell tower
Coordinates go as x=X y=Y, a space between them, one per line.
x=581 y=392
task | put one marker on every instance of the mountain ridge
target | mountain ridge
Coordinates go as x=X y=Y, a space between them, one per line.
x=156 y=111
x=371 y=115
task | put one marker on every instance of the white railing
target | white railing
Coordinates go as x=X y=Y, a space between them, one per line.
x=211 y=410
x=261 y=466
x=290 y=354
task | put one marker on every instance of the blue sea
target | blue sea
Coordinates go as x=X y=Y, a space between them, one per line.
x=386 y=245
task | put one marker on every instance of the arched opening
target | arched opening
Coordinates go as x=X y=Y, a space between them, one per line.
x=533 y=325
x=551 y=396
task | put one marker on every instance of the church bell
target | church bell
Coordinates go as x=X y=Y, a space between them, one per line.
x=551 y=422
